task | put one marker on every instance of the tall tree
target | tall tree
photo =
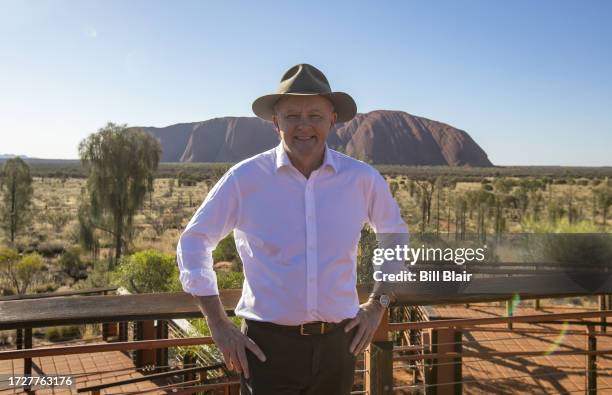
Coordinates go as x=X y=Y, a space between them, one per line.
x=16 y=185
x=119 y=163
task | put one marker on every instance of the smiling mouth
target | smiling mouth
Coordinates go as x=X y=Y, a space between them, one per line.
x=304 y=138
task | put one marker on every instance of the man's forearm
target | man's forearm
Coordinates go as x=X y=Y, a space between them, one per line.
x=212 y=308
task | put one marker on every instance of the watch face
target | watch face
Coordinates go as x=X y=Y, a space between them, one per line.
x=384 y=300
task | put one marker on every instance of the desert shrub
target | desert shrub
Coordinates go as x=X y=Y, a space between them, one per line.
x=70 y=262
x=98 y=277
x=50 y=249
x=19 y=272
x=44 y=288
x=147 y=271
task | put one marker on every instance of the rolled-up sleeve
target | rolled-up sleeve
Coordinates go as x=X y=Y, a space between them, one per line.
x=391 y=231
x=213 y=220
x=383 y=212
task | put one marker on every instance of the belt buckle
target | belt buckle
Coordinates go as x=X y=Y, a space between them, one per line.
x=309 y=334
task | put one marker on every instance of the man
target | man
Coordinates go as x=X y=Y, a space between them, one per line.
x=296 y=212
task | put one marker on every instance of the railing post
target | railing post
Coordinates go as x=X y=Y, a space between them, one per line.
x=591 y=362
x=145 y=330
x=602 y=307
x=123 y=331
x=537 y=304
x=27 y=362
x=426 y=363
x=188 y=362
x=161 y=330
x=109 y=329
x=445 y=374
x=19 y=339
x=379 y=360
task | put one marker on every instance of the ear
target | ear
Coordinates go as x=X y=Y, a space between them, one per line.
x=276 y=127
x=333 y=119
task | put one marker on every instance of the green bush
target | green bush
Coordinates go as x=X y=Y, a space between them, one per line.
x=146 y=272
x=50 y=248
x=71 y=263
x=226 y=250
x=230 y=280
x=45 y=288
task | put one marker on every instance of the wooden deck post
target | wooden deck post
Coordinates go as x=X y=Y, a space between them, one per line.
x=379 y=360
x=145 y=330
x=109 y=329
x=537 y=305
x=188 y=362
x=27 y=362
x=123 y=331
x=445 y=374
x=161 y=332
x=591 y=362
x=19 y=339
x=602 y=307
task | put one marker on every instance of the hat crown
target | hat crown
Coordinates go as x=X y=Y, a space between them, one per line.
x=303 y=78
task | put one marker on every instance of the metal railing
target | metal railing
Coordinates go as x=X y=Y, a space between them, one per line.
x=431 y=349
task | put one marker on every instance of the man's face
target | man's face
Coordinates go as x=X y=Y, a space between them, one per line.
x=303 y=123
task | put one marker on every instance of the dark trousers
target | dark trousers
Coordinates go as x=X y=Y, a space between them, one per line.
x=297 y=364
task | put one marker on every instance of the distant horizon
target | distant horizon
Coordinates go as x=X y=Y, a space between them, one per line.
x=529 y=82
x=495 y=164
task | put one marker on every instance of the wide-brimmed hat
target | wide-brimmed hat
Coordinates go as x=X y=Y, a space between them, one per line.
x=304 y=79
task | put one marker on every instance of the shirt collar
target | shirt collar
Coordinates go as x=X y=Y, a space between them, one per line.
x=282 y=159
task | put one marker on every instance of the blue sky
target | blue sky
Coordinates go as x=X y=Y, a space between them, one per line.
x=530 y=81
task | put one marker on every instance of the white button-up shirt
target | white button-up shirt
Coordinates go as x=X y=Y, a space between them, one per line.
x=297 y=237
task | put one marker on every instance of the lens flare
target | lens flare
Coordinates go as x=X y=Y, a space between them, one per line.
x=558 y=340
x=514 y=303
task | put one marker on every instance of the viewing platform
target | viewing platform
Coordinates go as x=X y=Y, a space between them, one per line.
x=427 y=347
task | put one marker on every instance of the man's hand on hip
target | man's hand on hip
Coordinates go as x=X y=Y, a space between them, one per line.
x=230 y=340
x=233 y=344
x=367 y=321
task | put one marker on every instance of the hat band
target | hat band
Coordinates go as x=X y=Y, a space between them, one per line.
x=305 y=91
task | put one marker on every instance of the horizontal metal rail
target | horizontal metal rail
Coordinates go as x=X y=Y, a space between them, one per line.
x=104 y=347
x=486 y=355
x=461 y=323
x=150 y=377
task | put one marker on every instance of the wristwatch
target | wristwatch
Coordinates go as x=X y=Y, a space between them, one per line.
x=383 y=299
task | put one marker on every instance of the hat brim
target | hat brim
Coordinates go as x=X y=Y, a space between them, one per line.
x=344 y=105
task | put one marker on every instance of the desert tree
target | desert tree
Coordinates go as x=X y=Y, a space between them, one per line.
x=119 y=163
x=20 y=271
x=16 y=185
x=425 y=195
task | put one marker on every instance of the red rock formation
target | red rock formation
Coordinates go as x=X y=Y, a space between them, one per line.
x=384 y=137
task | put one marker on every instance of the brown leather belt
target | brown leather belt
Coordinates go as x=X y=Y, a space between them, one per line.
x=309 y=328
